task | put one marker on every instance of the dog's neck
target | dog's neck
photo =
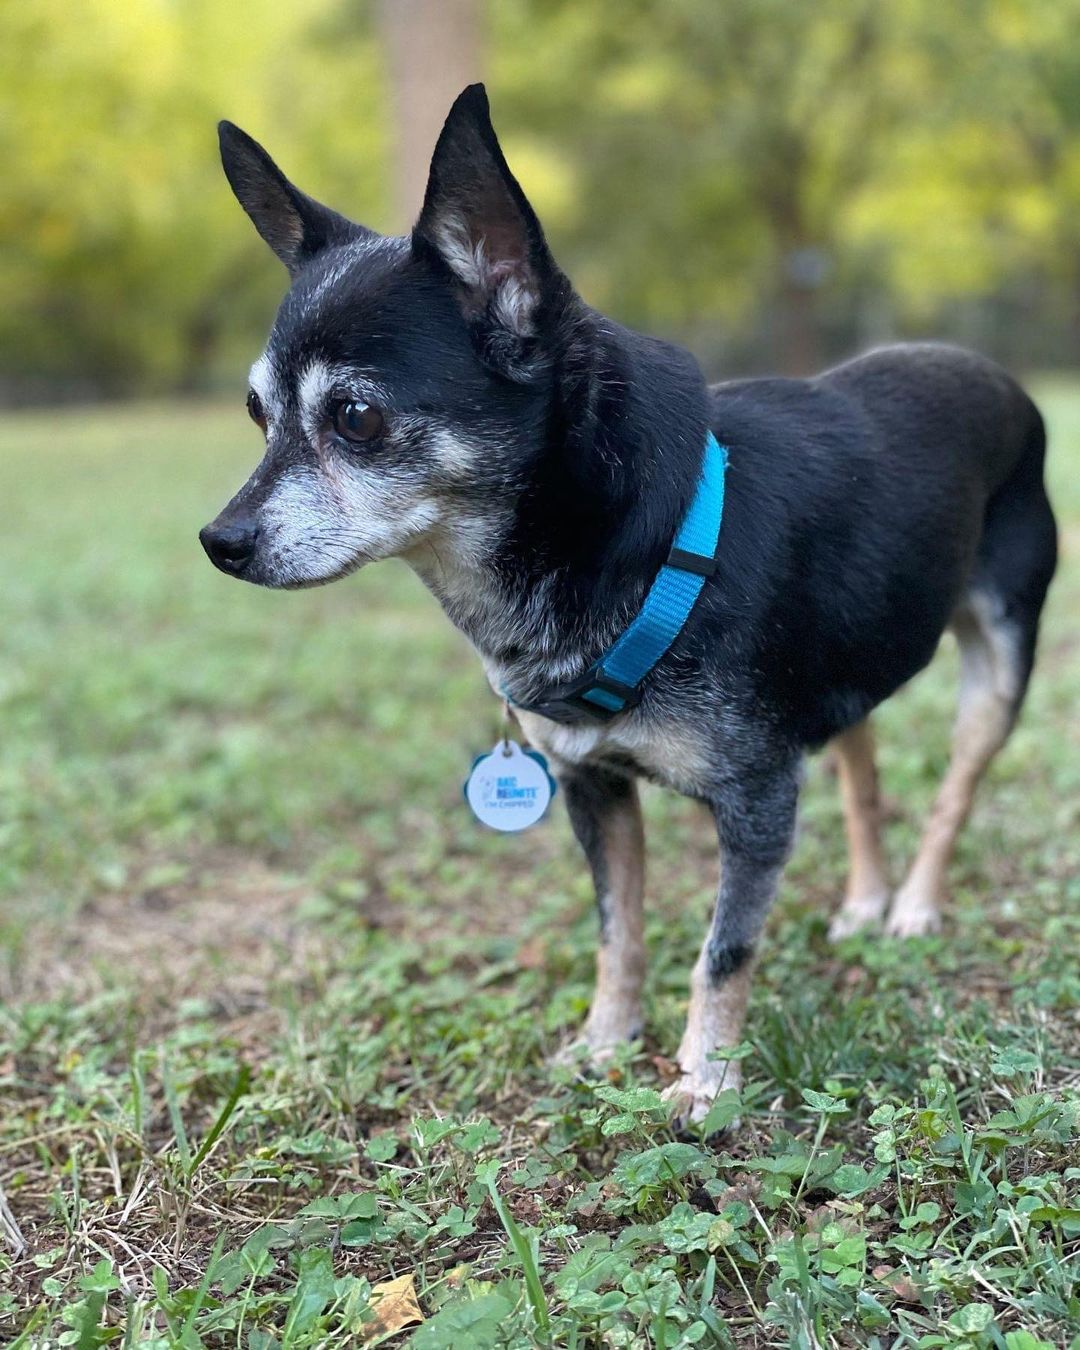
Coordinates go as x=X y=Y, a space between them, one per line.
x=542 y=590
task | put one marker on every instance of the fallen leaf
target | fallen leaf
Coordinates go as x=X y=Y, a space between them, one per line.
x=818 y=1218
x=901 y=1285
x=394 y=1305
x=666 y=1068
x=532 y=955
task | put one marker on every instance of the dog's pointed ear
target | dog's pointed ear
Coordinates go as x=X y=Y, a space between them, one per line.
x=479 y=222
x=294 y=225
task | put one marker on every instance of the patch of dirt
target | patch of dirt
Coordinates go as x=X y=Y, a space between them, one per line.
x=222 y=926
x=226 y=925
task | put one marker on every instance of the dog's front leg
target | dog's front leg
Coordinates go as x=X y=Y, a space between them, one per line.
x=755 y=837
x=606 y=817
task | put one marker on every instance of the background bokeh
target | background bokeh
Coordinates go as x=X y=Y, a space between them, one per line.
x=775 y=183
x=269 y=997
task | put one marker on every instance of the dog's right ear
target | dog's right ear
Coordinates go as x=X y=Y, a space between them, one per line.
x=294 y=225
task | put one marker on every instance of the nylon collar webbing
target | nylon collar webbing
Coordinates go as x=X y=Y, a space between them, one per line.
x=614 y=683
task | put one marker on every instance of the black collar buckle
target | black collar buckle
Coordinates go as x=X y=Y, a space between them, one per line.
x=571 y=703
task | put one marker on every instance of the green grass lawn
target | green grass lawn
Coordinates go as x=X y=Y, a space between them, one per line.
x=275 y=1015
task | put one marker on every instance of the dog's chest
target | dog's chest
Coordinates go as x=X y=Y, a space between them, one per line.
x=670 y=753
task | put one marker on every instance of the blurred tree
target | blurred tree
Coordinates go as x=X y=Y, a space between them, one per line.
x=1053 y=141
x=759 y=155
x=433 y=51
x=125 y=261
x=769 y=181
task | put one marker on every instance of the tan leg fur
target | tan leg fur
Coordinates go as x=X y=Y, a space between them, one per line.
x=867 y=895
x=989 y=692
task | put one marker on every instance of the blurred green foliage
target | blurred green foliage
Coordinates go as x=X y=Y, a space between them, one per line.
x=771 y=181
x=124 y=262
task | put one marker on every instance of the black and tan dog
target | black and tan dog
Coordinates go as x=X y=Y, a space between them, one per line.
x=448 y=398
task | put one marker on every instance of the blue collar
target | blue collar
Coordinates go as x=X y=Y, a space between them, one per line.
x=614 y=683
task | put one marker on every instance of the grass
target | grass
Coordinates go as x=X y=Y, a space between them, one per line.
x=275 y=1014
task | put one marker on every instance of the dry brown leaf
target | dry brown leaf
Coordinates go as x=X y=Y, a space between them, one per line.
x=905 y=1288
x=666 y=1068
x=394 y=1305
x=532 y=955
x=901 y=1285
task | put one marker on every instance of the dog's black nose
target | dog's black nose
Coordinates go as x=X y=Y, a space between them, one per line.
x=229 y=547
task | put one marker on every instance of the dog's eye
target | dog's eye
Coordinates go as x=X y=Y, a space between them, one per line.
x=255 y=409
x=357 y=422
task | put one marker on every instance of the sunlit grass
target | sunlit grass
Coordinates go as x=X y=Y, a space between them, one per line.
x=260 y=968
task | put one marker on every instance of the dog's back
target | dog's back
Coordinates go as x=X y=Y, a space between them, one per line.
x=894 y=487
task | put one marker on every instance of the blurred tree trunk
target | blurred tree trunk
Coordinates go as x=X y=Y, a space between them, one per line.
x=801 y=349
x=433 y=50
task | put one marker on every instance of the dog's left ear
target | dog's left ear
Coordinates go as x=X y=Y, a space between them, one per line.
x=479 y=222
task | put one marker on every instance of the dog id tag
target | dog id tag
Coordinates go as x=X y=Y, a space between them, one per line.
x=510 y=788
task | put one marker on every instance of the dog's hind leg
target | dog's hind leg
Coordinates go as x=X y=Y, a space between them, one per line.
x=991 y=686
x=606 y=817
x=867 y=895
x=996 y=626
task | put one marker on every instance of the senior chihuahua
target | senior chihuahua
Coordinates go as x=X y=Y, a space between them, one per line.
x=447 y=397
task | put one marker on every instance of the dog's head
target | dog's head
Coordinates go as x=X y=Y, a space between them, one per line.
x=407 y=382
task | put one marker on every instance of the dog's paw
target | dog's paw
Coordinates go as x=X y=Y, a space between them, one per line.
x=578 y=1054
x=913 y=916
x=692 y=1096
x=592 y=1053
x=856 y=914
x=610 y=1026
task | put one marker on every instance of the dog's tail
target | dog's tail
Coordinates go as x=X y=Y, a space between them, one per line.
x=1017 y=552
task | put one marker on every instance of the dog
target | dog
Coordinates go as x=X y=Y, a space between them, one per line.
x=446 y=397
